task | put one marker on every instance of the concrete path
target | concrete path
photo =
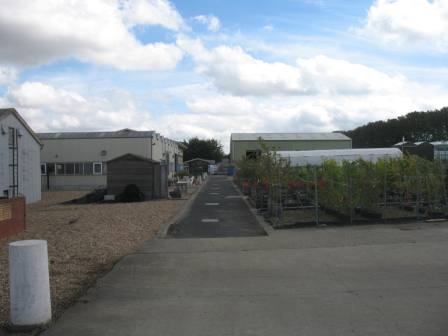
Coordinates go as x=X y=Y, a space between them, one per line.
x=369 y=280
x=218 y=211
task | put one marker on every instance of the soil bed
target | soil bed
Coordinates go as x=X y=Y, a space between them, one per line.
x=84 y=241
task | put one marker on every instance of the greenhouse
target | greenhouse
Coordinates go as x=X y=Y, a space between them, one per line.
x=318 y=157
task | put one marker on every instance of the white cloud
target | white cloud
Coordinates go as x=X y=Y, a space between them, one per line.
x=409 y=22
x=40 y=31
x=268 y=28
x=235 y=71
x=152 y=12
x=47 y=108
x=212 y=22
x=318 y=93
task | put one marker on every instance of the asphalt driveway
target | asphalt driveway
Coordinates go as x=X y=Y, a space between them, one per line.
x=218 y=211
x=371 y=280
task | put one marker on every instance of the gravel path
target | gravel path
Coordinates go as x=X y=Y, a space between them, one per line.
x=84 y=241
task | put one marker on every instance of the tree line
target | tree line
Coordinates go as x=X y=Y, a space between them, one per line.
x=414 y=126
x=209 y=149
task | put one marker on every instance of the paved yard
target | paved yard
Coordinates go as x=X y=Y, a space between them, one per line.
x=369 y=280
x=218 y=211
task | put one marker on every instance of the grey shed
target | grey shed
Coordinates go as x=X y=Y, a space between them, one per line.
x=150 y=176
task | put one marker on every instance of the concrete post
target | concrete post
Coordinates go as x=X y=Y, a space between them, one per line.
x=29 y=284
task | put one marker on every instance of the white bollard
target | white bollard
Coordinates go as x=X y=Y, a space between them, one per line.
x=29 y=284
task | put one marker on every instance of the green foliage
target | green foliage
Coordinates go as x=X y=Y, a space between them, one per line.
x=209 y=149
x=415 y=126
x=353 y=186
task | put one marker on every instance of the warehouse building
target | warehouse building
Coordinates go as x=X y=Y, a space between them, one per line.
x=78 y=160
x=19 y=158
x=244 y=145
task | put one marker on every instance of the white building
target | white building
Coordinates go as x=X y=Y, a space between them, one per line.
x=19 y=158
x=77 y=160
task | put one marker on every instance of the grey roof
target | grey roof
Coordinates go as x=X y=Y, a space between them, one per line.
x=124 y=133
x=288 y=136
x=199 y=159
x=12 y=111
x=133 y=157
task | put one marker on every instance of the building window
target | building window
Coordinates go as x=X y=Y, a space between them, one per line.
x=69 y=168
x=97 y=168
x=88 y=168
x=79 y=168
x=43 y=169
x=60 y=169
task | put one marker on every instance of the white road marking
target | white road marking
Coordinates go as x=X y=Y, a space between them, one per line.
x=211 y=203
x=213 y=193
x=235 y=196
x=210 y=220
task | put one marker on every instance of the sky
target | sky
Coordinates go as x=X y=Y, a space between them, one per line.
x=208 y=68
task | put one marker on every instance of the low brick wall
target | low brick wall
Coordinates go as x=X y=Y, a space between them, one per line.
x=12 y=216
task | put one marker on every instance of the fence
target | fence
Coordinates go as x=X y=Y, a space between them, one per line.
x=357 y=192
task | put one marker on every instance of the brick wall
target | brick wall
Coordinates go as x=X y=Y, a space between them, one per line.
x=12 y=216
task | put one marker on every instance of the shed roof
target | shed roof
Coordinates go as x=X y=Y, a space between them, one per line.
x=199 y=159
x=133 y=157
x=12 y=111
x=124 y=133
x=288 y=136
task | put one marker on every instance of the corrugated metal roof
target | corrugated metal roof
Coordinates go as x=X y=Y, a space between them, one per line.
x=199 y=159
x=133 y=157
x=287 y=136
x=124 y=133
x=317 y=157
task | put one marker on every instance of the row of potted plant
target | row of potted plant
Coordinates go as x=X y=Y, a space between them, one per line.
x=358 y=186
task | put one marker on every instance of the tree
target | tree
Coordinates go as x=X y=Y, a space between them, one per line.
x=414 y=126
x=209 y=149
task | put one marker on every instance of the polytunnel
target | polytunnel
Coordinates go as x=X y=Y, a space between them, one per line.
x=317 y=157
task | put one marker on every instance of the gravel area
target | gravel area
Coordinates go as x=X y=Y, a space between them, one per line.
x=84 y=241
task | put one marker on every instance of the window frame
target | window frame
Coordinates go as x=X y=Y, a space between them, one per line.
x=101 y=168
x=43 y=164
x=56 y=168
x=66 y=165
